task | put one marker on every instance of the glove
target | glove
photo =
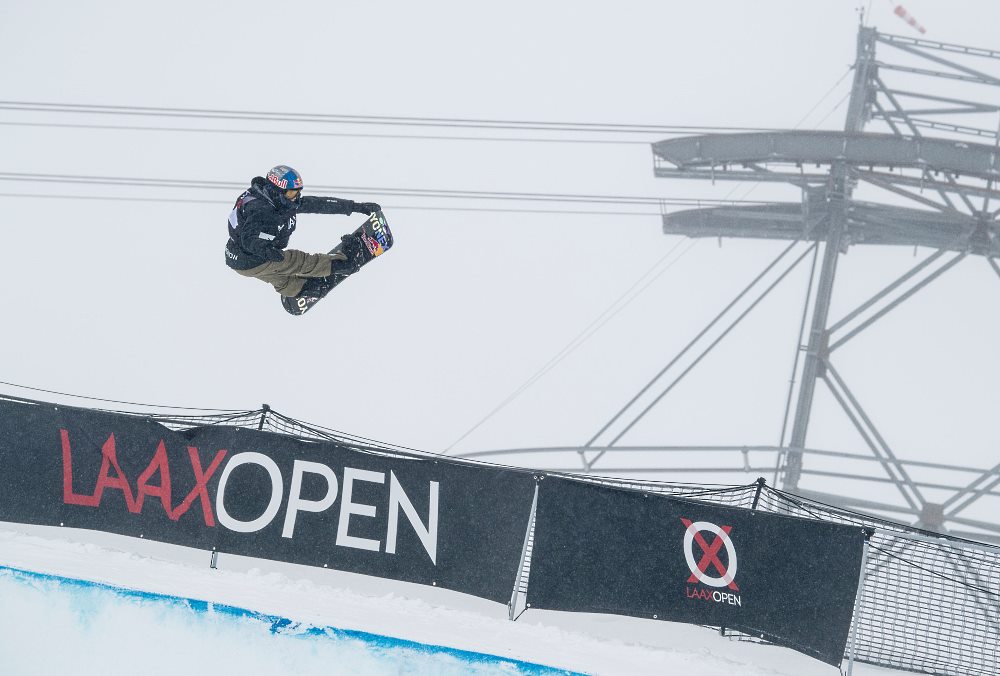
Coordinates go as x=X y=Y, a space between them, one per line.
x=366 y=207
x=338 y=256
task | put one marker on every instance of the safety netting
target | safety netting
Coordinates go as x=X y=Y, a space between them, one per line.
x=927 y=602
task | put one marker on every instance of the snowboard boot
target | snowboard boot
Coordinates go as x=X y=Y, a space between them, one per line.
x=343 y=268
x=350 y=246
x=314 y=287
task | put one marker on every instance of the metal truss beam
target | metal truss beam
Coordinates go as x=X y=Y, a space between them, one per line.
x=893 y=183
x=895 y=303
x=926 y=72
x=851 y=503
x=975 y=523
x=815 y=352
x=694 y=341
x=694 y=363
x=726 y=174
x=972 y=106
x=880 y=86
x=984 y=483
x=829 y=148
x=939 y=126
x=866 y=223
x=723 y=449
x=973 y=73
x=898 y=40
x=881 y=179
x=839 y=197
x=863 y=424
x=902 y=279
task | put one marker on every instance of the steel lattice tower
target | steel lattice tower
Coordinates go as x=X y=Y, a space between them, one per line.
x=950 y=180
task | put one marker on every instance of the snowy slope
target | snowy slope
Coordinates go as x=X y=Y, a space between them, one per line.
x=98 y=631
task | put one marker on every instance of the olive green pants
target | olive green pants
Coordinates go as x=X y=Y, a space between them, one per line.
x=288 y=275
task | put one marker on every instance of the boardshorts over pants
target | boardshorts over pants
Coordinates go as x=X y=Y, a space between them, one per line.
x=288 y=275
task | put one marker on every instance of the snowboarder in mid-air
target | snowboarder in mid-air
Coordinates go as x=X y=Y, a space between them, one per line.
x=263 y=219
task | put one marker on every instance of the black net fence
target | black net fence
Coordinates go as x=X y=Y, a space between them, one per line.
x=263 y=419
x=928 y=603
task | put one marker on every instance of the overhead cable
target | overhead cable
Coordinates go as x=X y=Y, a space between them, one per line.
x=118 y=181
x=117 y=401
x=327 y=118
x=606 y=316
x=340 y=134
x=388 y=205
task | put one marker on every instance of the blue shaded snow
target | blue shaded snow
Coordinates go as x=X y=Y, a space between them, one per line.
x=52 y=624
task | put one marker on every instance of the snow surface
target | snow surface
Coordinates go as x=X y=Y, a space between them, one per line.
x=262 y=617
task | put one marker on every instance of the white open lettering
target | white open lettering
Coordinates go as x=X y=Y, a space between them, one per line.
x=277 y=492
x=349 y=508
x=295 y=502
x=428 y=534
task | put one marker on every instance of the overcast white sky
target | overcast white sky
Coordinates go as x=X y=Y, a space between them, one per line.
x=131 y=300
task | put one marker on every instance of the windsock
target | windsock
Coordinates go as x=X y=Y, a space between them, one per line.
x=908 y=18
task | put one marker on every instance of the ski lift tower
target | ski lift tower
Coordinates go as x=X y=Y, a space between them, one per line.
x=944 y=187
x=949 y=178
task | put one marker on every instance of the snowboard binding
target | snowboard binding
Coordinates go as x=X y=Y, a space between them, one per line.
x=371 y=239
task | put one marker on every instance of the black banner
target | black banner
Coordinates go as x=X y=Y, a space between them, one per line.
x=790 y=581
x=403 y=517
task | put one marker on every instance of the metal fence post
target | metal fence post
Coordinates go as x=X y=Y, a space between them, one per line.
x=264 y=410
x=761 y=481
x=869 y=532
x=512 y=606
x=756 y=497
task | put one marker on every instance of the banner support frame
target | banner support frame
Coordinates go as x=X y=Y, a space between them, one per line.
x=512 y=606
x=869 y=533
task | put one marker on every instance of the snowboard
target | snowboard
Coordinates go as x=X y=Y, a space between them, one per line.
x=372 y=239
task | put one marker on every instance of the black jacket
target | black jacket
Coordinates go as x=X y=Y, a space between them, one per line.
x=263 y=219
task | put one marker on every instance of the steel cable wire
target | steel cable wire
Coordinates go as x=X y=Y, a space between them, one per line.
x=388 y=120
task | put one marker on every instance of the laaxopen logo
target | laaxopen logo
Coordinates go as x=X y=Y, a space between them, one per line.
x=135 y=490
x=709 y=561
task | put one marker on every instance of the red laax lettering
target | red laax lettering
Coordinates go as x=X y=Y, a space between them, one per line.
x=111 y=476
